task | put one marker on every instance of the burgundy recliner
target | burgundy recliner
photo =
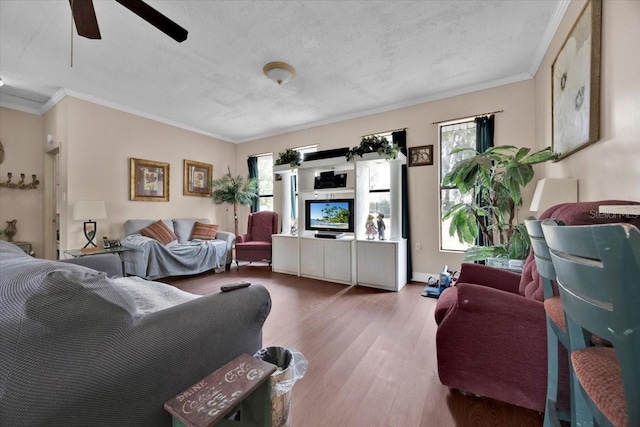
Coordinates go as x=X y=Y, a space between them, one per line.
x=255 y=245
x=491 y=337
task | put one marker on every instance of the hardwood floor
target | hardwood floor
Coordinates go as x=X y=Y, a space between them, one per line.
x=372 y=358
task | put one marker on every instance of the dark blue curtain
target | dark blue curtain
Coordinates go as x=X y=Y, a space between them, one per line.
x=400 y=139
x=252 y=163
x=484 y=140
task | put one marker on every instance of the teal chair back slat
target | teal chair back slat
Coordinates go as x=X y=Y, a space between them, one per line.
x=542 y=256
x=598 y=274
x=555 y=333
x=575 y=255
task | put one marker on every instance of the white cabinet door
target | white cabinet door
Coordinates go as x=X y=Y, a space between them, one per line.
x=338 y=260
x=285 y=254
x=312 y=257
x=382 y=264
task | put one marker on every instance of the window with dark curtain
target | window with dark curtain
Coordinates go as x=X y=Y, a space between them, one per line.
x=400 y=138
x=252 y=163
x=484 y=140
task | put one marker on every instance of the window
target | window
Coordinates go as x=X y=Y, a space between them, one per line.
x=265 y=179
x=379 y=188
x=265 y=182
x=453 y=136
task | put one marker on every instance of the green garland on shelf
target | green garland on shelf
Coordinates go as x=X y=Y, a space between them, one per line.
x=289 y=157
x=374 y=144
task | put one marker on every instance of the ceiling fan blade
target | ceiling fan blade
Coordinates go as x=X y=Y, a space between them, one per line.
x=156 y=19
x=85 y=19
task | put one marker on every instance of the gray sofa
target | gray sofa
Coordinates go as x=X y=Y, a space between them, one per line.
x=77 y=349
x=152 y=260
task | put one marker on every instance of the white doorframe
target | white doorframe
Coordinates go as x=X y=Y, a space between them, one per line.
x=51 y=223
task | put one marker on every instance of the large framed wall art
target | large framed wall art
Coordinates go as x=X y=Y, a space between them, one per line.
x=575 y=85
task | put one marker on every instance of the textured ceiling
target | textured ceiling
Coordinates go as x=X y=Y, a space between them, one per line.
x=352 y=57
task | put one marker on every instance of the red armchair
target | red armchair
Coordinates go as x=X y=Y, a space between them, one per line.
x=255 y=245
x=492 y=337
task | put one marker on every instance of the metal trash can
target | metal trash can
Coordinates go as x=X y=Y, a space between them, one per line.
x=292 y=366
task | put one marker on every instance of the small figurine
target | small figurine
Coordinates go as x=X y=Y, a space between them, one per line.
x=371 y=228
x=381 y=226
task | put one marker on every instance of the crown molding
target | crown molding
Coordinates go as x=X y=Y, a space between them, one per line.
x=63 y=93
x=549 y=33
x=20 y=104
x=55 y=98
x=416 y=101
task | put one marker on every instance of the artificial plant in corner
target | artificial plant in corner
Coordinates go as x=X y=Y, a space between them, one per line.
x=492 y=182
x=234 y=190
x=374 y=144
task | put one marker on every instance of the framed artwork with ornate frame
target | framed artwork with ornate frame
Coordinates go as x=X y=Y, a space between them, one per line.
x=421 y=156
x=149 y=180
x=575 y=85
x=197 y=178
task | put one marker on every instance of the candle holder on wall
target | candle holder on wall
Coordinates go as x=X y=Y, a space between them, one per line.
x=20 y=185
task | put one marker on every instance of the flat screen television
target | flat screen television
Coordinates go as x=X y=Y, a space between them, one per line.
x=329 y=215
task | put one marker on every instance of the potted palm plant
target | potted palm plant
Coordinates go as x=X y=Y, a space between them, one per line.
x=491 y=185
x=234 y=190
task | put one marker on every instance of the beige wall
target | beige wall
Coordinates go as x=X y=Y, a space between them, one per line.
x=513 y=127
x=609 y=168
x=96 y=143
x=21 y=134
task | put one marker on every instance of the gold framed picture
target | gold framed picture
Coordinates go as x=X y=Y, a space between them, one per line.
x=149 y=180
x=421 y=156
x=197 y=178
x=575 y=85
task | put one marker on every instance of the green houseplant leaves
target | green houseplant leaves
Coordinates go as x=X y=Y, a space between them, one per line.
x=494 y=179
x=374 y=144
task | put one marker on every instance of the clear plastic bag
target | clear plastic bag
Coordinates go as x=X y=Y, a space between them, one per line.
x=292 y=366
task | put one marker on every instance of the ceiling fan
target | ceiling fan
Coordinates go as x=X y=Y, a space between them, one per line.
x=86 y=22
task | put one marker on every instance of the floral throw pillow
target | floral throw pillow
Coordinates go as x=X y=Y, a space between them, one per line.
x=204 y=231
x=160 y=232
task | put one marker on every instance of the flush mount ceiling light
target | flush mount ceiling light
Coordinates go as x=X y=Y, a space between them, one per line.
x=279 y=72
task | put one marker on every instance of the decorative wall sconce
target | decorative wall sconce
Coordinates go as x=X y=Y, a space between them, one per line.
x=20 y=185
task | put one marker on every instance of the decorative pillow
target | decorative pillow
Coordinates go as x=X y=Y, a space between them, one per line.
x=159 y=231
x=204 y=231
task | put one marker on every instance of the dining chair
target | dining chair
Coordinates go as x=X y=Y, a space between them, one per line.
x=598 y=270
x=556 y=324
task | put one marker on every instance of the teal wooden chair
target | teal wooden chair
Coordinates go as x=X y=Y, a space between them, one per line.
x=598 y=274
x=556 y=324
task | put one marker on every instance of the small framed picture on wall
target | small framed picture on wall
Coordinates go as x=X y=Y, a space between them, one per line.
x=197 y=178
x=421 y=156
x=149 y=181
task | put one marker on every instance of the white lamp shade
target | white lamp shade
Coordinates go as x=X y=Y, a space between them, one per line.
x=554 y=191
x=89 y=209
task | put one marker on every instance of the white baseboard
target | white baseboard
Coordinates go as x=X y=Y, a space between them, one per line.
x=423 y=277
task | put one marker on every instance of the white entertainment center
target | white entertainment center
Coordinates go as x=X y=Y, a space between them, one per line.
x=350 y=259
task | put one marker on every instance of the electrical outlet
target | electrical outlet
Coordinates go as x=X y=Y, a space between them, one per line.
x=418 y=246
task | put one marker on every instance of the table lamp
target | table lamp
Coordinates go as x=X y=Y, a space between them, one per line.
x=89 y=210
x=554 y=191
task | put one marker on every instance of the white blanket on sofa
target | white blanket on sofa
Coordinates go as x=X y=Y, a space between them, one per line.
x=151 y=296
x=151 y=259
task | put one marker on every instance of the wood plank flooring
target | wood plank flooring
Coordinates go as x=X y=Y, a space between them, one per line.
x=371 y=353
